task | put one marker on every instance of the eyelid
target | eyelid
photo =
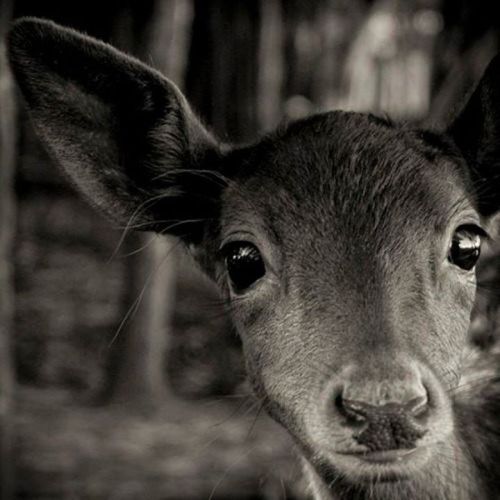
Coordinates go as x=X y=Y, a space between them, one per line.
x=476 y=229
x=237 y=236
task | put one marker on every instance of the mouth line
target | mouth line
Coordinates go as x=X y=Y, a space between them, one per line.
x=386 y=457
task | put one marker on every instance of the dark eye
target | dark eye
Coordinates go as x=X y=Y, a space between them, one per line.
x=465 y=246
x=244 y=264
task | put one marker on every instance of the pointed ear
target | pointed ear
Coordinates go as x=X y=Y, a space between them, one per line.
x=124 y=134
x=476 y=132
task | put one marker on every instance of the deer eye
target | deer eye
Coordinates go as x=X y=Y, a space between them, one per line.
x=465 y=246
x=244 y=264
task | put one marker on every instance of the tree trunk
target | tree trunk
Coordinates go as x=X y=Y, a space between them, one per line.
x=222 y=76
x=270 y=65
x=136 y=371
x=7 y=225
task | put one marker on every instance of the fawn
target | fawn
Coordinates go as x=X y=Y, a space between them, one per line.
x=345 y=245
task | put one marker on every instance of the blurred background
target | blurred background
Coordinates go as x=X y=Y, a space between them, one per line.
x=120 y=374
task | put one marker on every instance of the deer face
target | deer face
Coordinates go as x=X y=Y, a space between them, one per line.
x=345 y=246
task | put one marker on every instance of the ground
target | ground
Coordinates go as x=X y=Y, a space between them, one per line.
x=189 y=450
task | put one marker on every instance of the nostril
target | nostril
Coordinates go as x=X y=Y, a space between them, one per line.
x=417 y=406
x=352 y=410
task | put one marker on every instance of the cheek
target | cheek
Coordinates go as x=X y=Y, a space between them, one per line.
x=452 y=313
x=460 y=294
x=281 y=355
x=464 y=293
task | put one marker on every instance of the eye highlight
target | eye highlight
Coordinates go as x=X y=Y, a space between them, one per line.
x=465 y=247
x=244 y=264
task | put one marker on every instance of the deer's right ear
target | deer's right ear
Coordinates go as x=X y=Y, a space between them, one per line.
x=124 y=134
x=476 y=132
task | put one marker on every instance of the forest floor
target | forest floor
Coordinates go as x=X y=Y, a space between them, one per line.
x=189 y=450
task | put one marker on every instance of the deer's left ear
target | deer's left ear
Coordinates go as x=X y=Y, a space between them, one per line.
x=476 y=132
x=125 y=134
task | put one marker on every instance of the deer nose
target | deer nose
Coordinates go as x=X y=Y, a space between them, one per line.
x=383 y=422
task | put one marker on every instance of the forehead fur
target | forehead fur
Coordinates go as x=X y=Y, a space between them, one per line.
x=349 y=172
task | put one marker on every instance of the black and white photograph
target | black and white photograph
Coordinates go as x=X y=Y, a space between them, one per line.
x=250 y=250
